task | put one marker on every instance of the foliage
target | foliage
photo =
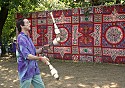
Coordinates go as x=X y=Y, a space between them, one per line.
x=14 y=6
x=11 y=7
x=19 y=5
x=51 y=5
x=84 y=3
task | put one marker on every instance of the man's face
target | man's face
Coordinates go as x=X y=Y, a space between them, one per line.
x=26 y=24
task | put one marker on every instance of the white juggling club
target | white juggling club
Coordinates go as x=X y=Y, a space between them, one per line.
x=53 y=71
x=55 y=41
x=57 y=31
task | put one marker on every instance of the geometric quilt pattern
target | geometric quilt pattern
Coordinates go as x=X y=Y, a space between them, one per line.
x=94 y=34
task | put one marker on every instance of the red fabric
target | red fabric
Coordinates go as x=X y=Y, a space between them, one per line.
x=94 y=34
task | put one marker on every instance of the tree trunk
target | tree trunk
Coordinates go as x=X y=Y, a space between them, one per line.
x=3 y=17
x=118 y=1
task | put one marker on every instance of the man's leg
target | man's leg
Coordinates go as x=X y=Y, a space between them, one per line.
x=37 y=82
x=25 y=84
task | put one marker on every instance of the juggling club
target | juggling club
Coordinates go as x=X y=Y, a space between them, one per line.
x=53 y=71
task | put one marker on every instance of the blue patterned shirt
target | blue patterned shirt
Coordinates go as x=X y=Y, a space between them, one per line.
x=26 y=68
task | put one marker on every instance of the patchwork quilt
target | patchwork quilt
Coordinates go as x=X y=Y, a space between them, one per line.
x=94 y=34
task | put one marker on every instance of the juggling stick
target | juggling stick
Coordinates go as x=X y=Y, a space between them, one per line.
x=55 y=26
x=56 y=29
x=53 y=71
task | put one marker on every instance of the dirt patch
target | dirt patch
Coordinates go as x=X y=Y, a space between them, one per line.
x=72 y=74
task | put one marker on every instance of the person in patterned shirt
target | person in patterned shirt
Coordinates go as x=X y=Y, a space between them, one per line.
x=28 y=69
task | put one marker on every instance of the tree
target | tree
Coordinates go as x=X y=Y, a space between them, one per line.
x=8 y=9
x=3 y=15
x=7 y=6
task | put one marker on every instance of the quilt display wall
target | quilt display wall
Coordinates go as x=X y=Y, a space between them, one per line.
x=94 y=34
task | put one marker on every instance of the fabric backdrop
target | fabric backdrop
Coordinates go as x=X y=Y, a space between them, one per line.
x=94 y=34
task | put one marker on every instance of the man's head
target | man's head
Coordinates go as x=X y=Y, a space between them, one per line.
x=23 y=24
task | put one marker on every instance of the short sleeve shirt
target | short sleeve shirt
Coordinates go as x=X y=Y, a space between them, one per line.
x=26 y=68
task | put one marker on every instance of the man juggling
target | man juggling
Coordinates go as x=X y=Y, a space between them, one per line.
x=28 y=69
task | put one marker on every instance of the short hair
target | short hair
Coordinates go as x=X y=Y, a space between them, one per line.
x=18 y=23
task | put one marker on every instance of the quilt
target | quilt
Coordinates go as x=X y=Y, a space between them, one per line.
x=93 y=34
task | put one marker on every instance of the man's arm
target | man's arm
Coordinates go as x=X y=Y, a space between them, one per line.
x=33 y=57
